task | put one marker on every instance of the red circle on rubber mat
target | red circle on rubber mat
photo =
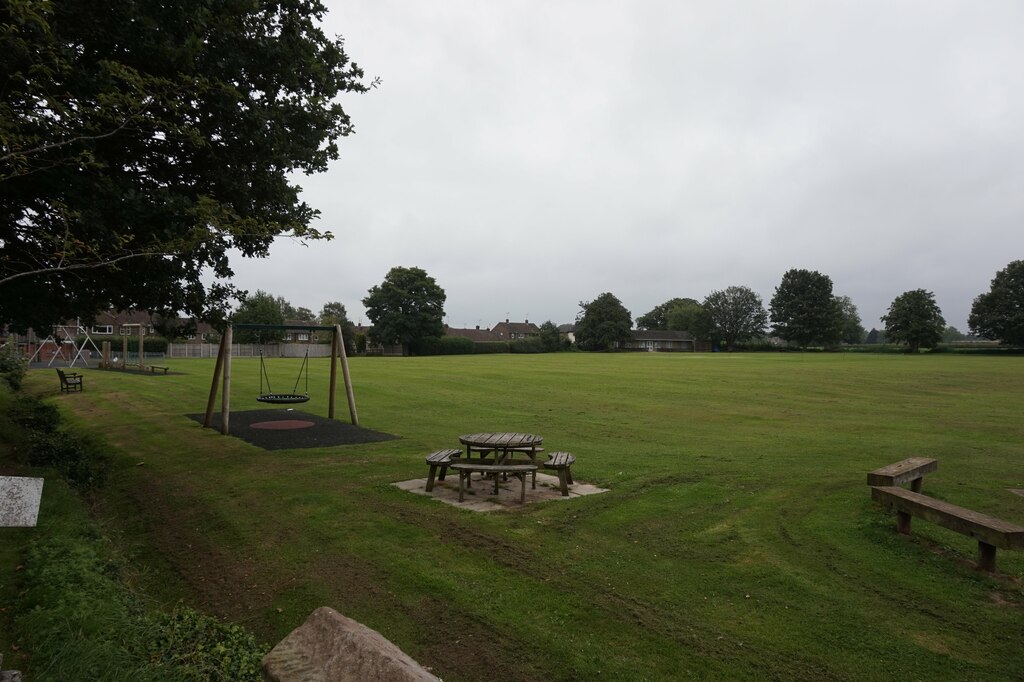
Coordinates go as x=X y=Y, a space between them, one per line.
x=283 y=425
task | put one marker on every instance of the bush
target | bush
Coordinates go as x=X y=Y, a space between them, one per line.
x=445 y=345
x=82 y=621
x=201 y=648
x=12 y=365
x=34 y=415
x=81 y=460
x=152 y=344
x=485 y=347
x=530 y=345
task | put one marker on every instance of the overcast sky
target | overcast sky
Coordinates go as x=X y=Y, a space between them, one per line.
x=530 y=155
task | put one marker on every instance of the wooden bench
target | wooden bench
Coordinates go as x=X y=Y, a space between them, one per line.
x=154 y=368
x=988 y=531
x=561 y=462
x=441 y=458
x=910 y=470
x=484 y=451
x=466 y=469
x=69 y=381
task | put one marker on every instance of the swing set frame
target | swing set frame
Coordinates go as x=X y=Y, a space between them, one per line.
x=222 y=372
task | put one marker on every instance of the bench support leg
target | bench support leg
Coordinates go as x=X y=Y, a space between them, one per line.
x=986 y=557
x=903 y=522
x=462 y=477
x=562 y=482
x=430 y=478
x=915 y=485
x=522 y=494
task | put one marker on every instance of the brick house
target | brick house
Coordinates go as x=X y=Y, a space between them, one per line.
x=514 y=331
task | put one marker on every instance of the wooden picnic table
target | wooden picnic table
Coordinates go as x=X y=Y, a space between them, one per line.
x=502 y=444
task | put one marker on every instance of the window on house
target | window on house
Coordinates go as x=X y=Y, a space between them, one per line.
x=303 y=336
x=105 y=329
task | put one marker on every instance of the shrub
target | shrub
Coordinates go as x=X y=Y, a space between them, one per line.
x=81 y=460
x=199 y=647
x=34 y=415
x=82 y=621
x=12 y=365
x=445 y=345
x=530 y=345
x=485 y=347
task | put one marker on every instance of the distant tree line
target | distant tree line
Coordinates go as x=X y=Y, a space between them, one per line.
x=407 y=309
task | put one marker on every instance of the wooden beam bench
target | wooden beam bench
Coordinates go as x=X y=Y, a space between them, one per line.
x=910 y=470
x=990 y=532
x=154 y=368
x=442 y=459
x=467 y=469
x=561 y=463
x=69 y=381
x=511 y=452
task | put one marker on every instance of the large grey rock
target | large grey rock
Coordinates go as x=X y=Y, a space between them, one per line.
x=330 y=647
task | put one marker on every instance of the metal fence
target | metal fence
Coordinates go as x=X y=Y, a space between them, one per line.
x=249 y=350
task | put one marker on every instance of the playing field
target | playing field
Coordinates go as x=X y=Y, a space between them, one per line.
x=738 y=539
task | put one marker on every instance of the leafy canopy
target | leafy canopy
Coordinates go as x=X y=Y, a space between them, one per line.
x=603 y=323
x=408 y=305
x=999 y=313
x=258 y=308
x=914 y=318
x=658 y=318
x=803 y=309
x=143 y=140
x=333 y=313
x=735 y=314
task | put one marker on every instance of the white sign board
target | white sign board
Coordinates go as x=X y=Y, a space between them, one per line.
x=19 y=501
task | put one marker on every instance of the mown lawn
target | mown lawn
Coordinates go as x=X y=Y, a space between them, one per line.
x=738 y=540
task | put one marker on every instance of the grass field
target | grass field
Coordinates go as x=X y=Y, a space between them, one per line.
x=738 y=540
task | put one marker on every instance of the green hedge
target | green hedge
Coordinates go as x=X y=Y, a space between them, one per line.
x=152 y=344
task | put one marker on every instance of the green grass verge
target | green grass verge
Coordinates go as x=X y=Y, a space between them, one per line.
x=738 y=540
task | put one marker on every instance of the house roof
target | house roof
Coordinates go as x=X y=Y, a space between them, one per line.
x=507 y=328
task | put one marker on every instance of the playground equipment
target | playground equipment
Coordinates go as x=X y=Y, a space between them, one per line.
x=222 y=375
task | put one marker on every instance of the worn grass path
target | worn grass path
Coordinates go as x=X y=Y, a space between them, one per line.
x=738 y=540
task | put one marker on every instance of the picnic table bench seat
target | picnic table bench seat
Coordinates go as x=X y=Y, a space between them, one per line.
x=467 y=468
x=562 y=462
x=910 y=470
x=442 y=459
x=990 y=532
x=69 y=381
x=154 y=368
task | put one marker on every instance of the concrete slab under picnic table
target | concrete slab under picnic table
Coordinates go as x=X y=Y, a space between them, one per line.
x=481 y=498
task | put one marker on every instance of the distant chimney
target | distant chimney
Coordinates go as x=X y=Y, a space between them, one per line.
x=527 y=322
x=506 y=320
x=478 y=326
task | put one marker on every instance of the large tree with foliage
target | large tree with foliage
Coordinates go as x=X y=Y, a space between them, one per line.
x=803 y=309
x=690 y=317
x=850 y=329
x=914 y=318
x=406 y=306
x=999 y=313
x=735 y=314
x=549 y=337
x=334 y=313
x=602 y=324
x=258 y=308
x=140 y=141
x=658 y=318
